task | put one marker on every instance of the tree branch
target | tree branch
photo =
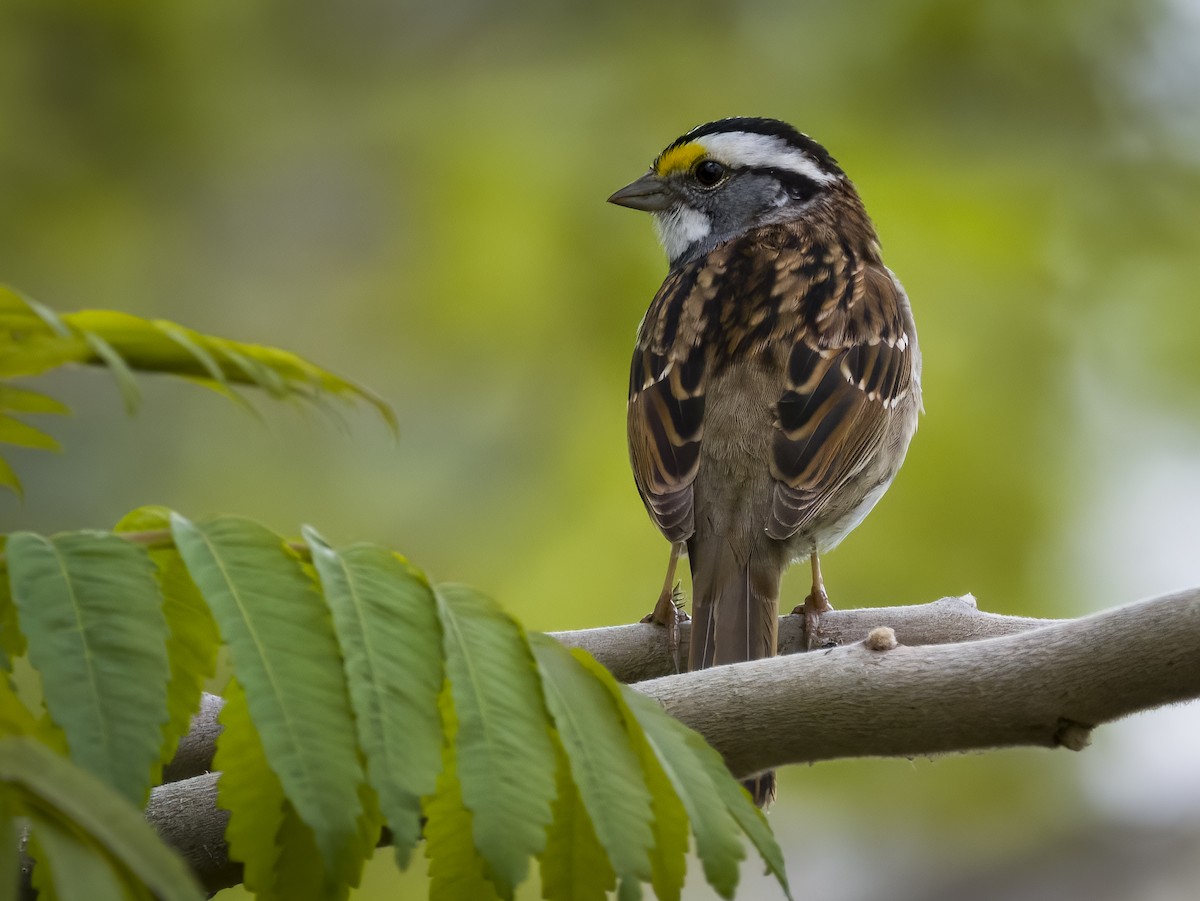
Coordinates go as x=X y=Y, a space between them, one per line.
x=638 y=652
x=1046 y=687
x=957 y=680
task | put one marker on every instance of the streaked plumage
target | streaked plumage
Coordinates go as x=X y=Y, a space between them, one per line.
x=775 y=384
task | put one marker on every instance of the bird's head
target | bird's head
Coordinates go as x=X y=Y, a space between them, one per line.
x=724 y=178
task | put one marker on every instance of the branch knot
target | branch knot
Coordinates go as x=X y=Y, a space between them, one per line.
x=881 y=638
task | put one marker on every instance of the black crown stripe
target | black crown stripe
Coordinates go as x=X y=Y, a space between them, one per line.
x=761 y=126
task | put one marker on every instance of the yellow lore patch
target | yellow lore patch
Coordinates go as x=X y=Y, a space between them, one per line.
x=678 y=159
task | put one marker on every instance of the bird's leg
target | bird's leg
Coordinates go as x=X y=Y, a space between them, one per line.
x=667 y=611
x=815 y=604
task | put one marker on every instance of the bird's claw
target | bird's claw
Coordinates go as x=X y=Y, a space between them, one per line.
x=814 y=605
x=669 y=612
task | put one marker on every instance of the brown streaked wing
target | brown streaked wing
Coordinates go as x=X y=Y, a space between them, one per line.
x=839 y=396
x=666 y=403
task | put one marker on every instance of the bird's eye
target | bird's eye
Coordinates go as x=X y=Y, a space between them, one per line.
x=709 y=172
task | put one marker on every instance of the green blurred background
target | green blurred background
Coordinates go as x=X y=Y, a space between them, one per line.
x=412 y=194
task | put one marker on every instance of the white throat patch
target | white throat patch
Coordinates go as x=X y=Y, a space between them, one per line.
x=743 y=148
x=679 y=228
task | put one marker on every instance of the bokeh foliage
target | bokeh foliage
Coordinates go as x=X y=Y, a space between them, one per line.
x=412 y=194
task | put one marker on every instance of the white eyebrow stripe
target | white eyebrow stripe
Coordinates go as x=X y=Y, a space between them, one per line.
x=744 y=148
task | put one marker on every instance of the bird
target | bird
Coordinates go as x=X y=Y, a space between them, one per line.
x=776 y=378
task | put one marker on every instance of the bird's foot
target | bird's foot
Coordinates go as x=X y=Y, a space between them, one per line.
x=669 y=612
x=814 y=605
x=668 y=609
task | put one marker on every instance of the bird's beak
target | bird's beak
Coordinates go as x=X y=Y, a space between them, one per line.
x=648 y=193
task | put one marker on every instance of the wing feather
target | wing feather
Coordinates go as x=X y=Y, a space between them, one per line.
x=665 y=417
x=844 y=381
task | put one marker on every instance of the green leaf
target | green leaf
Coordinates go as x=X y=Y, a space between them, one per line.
x=12 y=642
x=10 y=863
x=193 y=343
x=148 y=518
x=300 y=870
x=456 y=870
x=126 y=383
x=15 y=717
x=78 y=871
x=22 y=400
x=249 y=790
x=574 y=865
x=91 y=612
x=159 y=346
x=9 y=480
x=40 y=879
x=192 y=646
x=386 y=619
x=668 y=859
x=32 y=338
x=605 y=768
x=50 y=787
x=717 y=834
x=504 y=754
x=13 y=431
x=735 y=798
x=250 y=370
x=214 y=378
x=48 y=317
x=752 y=820
x=15 y=312
x=296 y=371
x=192 y=642
x=286 y=657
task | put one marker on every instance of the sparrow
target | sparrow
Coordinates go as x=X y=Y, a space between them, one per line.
x=775 y=383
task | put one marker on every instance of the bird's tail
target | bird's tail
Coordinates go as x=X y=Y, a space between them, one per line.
x=735 y=617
